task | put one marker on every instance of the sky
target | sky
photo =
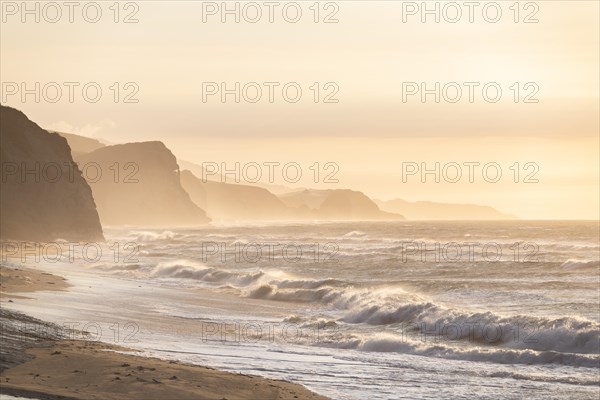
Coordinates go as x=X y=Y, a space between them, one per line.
x=361 y=75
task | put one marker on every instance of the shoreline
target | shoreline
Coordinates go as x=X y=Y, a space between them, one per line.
x=45 y=363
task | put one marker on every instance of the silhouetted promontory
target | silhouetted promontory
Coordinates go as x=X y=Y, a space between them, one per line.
x=139 y=185
x=336 y=205
x=43 y=196
x=229 y=202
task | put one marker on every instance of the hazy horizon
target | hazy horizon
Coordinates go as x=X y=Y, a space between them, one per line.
x=430 y=195
x=169 y=53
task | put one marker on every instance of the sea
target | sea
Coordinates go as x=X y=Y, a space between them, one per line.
x=367 y=310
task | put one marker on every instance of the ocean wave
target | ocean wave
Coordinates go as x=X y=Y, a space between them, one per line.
x=570 y=380
x=272 y=292
x=567 y=334
x=580 y=264
x=119 y=267
x=308 y=283
x=396 y=309
x=355 y=234
x=184 y=269
x=403 y=310
x=393 y=343
x=150 y=236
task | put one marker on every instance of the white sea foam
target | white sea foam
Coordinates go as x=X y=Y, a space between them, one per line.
x=506 y=312
x=150 y=236
x=580 y=264
x=393 y=343
x=355 y=234
x=389 y=306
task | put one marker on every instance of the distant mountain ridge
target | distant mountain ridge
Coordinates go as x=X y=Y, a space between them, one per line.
x=42 y=206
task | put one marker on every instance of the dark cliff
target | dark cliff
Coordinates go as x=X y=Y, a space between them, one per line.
x=43 y=195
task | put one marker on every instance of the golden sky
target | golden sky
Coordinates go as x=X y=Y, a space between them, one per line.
x=369 y=55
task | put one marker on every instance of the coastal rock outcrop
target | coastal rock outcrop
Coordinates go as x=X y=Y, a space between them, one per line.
x=43 y=195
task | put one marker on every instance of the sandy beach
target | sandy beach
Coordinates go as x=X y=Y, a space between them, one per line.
x=45 y=364
x=23 y=280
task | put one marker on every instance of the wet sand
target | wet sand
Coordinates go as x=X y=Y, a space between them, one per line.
x=23 y=280
x=44 y=363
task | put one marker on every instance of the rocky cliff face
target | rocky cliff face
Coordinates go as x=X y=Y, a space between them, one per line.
x=138 y=184
x=231 y=202
x=336 y=205
x=43 y=196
